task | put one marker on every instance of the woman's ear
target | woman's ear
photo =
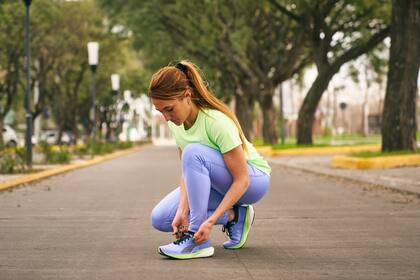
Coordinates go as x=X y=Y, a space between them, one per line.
x=188 y=95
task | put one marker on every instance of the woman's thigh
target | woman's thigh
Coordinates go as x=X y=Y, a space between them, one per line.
x=221 y=178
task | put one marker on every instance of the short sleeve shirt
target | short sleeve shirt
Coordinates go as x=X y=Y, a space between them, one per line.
x=216 y=130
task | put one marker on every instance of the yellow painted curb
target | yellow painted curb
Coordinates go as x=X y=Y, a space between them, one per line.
x=268 y=151
x=58 y=170
x=376 y=162
x=265 y=151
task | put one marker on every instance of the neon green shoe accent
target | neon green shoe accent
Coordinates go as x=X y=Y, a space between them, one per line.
x=203 y=253
x=245 y=232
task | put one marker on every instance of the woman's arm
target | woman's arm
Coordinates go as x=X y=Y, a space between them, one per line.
x=182 y=214
x=183 y=202
x=235 y=161
x=183 y=206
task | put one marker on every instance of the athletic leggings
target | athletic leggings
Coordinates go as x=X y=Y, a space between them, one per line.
x=207 y=179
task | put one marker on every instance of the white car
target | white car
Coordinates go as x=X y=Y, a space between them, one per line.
x=50 y=136
x=10 y=138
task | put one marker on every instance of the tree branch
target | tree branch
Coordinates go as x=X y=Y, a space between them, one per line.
x=285 y=11
x=363 y=48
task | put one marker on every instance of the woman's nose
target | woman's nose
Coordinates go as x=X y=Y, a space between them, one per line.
x=167 y=117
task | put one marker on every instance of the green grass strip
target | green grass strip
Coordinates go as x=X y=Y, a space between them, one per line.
x=384 y=154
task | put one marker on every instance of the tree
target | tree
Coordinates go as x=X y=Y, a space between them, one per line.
x=11 y=55
x=65 y=82
x=337 y=31
x=269 y=49
x=399 y=115
x=246 y=46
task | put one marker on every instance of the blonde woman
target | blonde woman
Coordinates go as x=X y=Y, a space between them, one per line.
x=222 y=173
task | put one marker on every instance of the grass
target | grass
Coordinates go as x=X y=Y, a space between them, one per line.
x=325 y=141
x=348 y=139
x=383 y=154
x=287 y=146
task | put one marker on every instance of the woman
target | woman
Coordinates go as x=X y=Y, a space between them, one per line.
x=222 y=173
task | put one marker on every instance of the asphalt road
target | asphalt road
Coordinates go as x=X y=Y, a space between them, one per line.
x=93 y=223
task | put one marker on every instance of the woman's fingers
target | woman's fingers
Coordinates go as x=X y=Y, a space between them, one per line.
x=200 y=236
x=174 y=229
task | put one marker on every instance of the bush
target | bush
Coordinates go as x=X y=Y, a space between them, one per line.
x=50 y=156
x=101 y=148
x=13 y=162
x=124 y=145
x=7 y=163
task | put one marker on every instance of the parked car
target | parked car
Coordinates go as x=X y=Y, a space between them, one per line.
x=51 y=136
x=10 y=138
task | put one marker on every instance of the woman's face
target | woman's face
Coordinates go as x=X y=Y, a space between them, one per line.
x=175 y=111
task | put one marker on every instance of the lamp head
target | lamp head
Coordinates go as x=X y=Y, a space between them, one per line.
x=115 y=82
x=93 y=49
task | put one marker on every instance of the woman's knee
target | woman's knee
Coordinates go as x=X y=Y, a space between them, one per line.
x=194 y=153
x=159 y=219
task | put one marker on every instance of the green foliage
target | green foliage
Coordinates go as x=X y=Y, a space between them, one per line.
x=93 y=148
x=12 y=161
x=7 y=163
x=384 y=154
x=124 y=145
x=54 y=157
x=325 y=141
x=60 y=33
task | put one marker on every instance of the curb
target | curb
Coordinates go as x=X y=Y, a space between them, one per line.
x=376 y=162
x=62 y=169
x=268 y=151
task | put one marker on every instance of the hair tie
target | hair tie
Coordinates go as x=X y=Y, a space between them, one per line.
x=182 y=67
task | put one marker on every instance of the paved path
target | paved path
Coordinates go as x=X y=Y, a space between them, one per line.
x=406 y=179
x=93 y=223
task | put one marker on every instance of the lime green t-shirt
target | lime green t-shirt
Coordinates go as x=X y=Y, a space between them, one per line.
x=216 y=130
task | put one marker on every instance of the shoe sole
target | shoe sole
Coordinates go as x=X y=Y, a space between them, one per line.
x=250 y=217
x=203 y=253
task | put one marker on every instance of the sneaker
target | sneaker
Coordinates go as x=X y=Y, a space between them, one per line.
x=185 y=248
x=238 y=229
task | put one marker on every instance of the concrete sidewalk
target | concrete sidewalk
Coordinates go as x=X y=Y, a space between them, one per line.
x=405 y=179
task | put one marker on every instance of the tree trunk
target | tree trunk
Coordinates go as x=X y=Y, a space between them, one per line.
x=243 y=110
x=399 y=115
x=1 y=130
x=309 y=105
x=270 y=133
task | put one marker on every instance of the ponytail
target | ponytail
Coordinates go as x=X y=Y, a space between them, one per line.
x=205 y=99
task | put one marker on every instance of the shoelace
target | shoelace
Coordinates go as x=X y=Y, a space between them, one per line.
x=185 y=236
x=228 y=228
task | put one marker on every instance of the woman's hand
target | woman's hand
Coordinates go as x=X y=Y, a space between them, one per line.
x=180 y=224
x=203 y=232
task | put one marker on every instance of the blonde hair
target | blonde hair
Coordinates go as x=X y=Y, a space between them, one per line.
x=170 y=83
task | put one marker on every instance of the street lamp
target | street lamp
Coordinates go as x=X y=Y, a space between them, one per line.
x=28 y=103
x=343 y=103
x=115 y=83
x=93 y=48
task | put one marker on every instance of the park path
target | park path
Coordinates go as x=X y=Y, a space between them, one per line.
x=93 y=223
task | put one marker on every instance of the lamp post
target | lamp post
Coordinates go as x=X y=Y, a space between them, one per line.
x=28 y=103
x=93 y=48
x=115 y=87
x=283 y=133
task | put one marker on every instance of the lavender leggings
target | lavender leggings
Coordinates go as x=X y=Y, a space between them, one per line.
x=207 y=180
